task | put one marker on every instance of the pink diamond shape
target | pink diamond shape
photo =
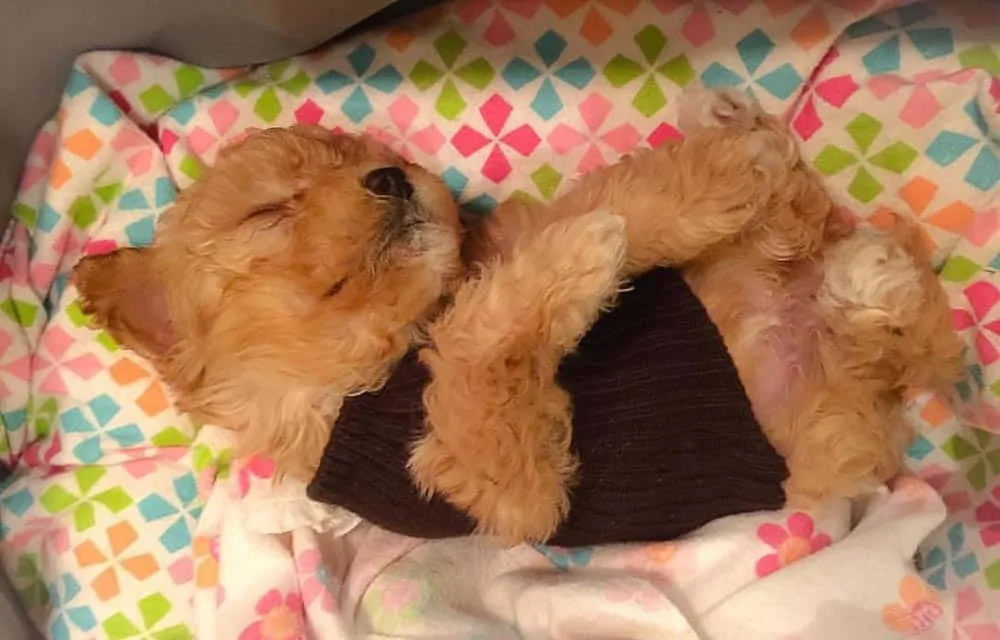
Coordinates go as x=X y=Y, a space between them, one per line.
x=807 y=123
x=167 y=140
x=468 y=141
x=496 y=167
x=96 y=247
x=495 y=112
x=564 y=138
x=524 y=140
x=836 y=91
x=662 y=133
x=592 y=159
x=140 y=162
x=223 y=115
x=86 y=366
x=885 y=85
x=124 y=70
x=920 y=108
x=182 y=571
x=499 y=32
x=429 y=139
x=309 y=113
x=523 y=8
x=31 y=176
x=53 y=383
x=982 y=228
x=403 y=111
x=42 y=275
x=622 y=139
x=128 y=137
x=594 y=111
x=983 y=296
x=57 y=342
x=200 y=141
x=471 y=10
x=698 y=28
x=5 y=341
x=988 y=353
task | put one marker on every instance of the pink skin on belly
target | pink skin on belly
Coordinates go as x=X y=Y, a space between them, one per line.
x=784 y=350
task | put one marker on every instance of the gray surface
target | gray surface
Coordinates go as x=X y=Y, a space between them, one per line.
x=40 y=38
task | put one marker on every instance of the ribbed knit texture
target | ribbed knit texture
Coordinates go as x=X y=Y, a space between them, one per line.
x=665 y=434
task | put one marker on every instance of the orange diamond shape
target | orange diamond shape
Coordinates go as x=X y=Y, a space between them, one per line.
x=59 y=174
x=153 y=400
x=935 y=412
x=563 y=8
x=595 y=29
x=918 y=193
x=126 y=372
x=954 y=218
x=812 y=29
x=83 y=143
x=399 y=39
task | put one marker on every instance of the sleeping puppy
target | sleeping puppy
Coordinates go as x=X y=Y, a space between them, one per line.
x=304 y=264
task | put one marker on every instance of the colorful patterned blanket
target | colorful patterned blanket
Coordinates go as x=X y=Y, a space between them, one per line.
x=121 y=521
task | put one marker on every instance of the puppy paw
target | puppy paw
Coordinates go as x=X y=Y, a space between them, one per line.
x=702 y=108
x=525 y=505
x=577 y=264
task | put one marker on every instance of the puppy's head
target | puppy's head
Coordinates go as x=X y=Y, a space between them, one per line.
x=295 y=271
x=880 y=291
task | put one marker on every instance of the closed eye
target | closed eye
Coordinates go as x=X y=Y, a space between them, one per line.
x=277 y=209
x=336 y=288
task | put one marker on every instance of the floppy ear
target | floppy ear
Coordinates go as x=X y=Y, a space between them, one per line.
x=124 y=296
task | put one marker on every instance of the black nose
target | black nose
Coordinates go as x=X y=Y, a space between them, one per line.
x=389 y=182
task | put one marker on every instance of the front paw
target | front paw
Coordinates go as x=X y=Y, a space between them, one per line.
x=520 y=506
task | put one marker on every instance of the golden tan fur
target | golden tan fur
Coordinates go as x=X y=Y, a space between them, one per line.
x=274 y=287
x=283 y=296
x=828 y=327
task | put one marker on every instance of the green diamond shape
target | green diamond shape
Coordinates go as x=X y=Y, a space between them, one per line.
x=119 y=627
x=649 y=99
x=276 y=70
x=115 y=499
x=678 y=69
x=296 y=84
x=621 y=70
x=449 y=46
x=547 y=180
x=21 y=312
x=189 y=80
x=832 y=160
x=959 y=269
x=958 y=448
x=192 y=167
x=268 y=107
x=56 y=499
x=651 y=42
x=170 y=437
x=105 y=340
x=863 y=130
x=981 y=56
x=82 y=212
x=25 y=214
x=424 y=75
x=156 y=99
x=108 y=192
x=153 y=609
x=864 y=187
x=245 y=87
x=897 y=157
x=977 y=475
x=450 y=103
x=478 y=73
x=992 y=575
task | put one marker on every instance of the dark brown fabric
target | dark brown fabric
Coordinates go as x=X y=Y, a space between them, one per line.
x=664 y=431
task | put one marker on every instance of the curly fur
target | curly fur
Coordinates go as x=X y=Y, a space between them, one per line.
x=272 y=288
x=828 y=326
